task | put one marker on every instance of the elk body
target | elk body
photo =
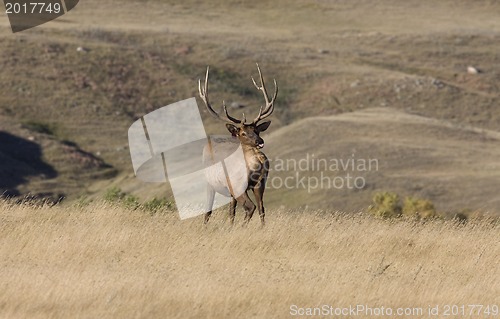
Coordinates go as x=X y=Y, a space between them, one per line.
x=254 y=175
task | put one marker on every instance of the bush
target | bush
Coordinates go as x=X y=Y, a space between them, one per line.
x=131 y=202
x=419 y=208
x=154 y=205
x=386 y=205
x=114 y=194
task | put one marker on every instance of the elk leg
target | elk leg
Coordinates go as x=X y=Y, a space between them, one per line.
x=248 y=205
x=232 y=209
x=210 y=202
x=258 y=191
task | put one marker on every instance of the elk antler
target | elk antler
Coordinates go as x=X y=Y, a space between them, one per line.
x=204 y=96
x=269 y=107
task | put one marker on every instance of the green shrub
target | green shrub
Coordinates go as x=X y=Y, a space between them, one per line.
x=131 y=202
x=114 y=194
x=386 y=205
x=419 y=208
x=154 y=205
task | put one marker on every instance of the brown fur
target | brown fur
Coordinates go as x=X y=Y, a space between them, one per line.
x=257 y=169
x=256 y=162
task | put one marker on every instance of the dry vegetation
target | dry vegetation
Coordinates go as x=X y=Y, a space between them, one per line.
x=103 y=261
x=384 y=79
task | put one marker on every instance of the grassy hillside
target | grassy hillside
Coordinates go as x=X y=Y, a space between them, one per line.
x=454 y=166
x=329 y=57
x=107 y=262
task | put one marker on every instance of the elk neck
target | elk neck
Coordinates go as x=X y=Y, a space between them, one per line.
x=254 y=157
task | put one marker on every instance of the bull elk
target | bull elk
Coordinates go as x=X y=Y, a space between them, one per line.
x=256 y=162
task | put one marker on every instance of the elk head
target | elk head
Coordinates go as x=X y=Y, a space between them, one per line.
x=247 y=133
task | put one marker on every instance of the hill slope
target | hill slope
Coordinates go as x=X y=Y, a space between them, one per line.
x=329 y=57
x=339 y=162
x=455 y=166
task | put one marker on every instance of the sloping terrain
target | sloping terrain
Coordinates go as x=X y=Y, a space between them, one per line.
x=455 y=166
x=36 y=163
x=329 y=57
x=339 y=162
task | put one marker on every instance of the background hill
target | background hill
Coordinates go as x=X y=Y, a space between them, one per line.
x=385 y=80
x=384 y=149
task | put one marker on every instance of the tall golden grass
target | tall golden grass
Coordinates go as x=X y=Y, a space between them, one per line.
x=102 y=261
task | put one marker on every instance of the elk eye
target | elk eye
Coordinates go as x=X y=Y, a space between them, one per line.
x=243 y=134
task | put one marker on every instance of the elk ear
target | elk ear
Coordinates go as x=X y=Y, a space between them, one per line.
x=232 y=129
x=262 y=127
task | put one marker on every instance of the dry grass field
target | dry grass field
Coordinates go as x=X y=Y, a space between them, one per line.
x=102 y=261
x=358 y=79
